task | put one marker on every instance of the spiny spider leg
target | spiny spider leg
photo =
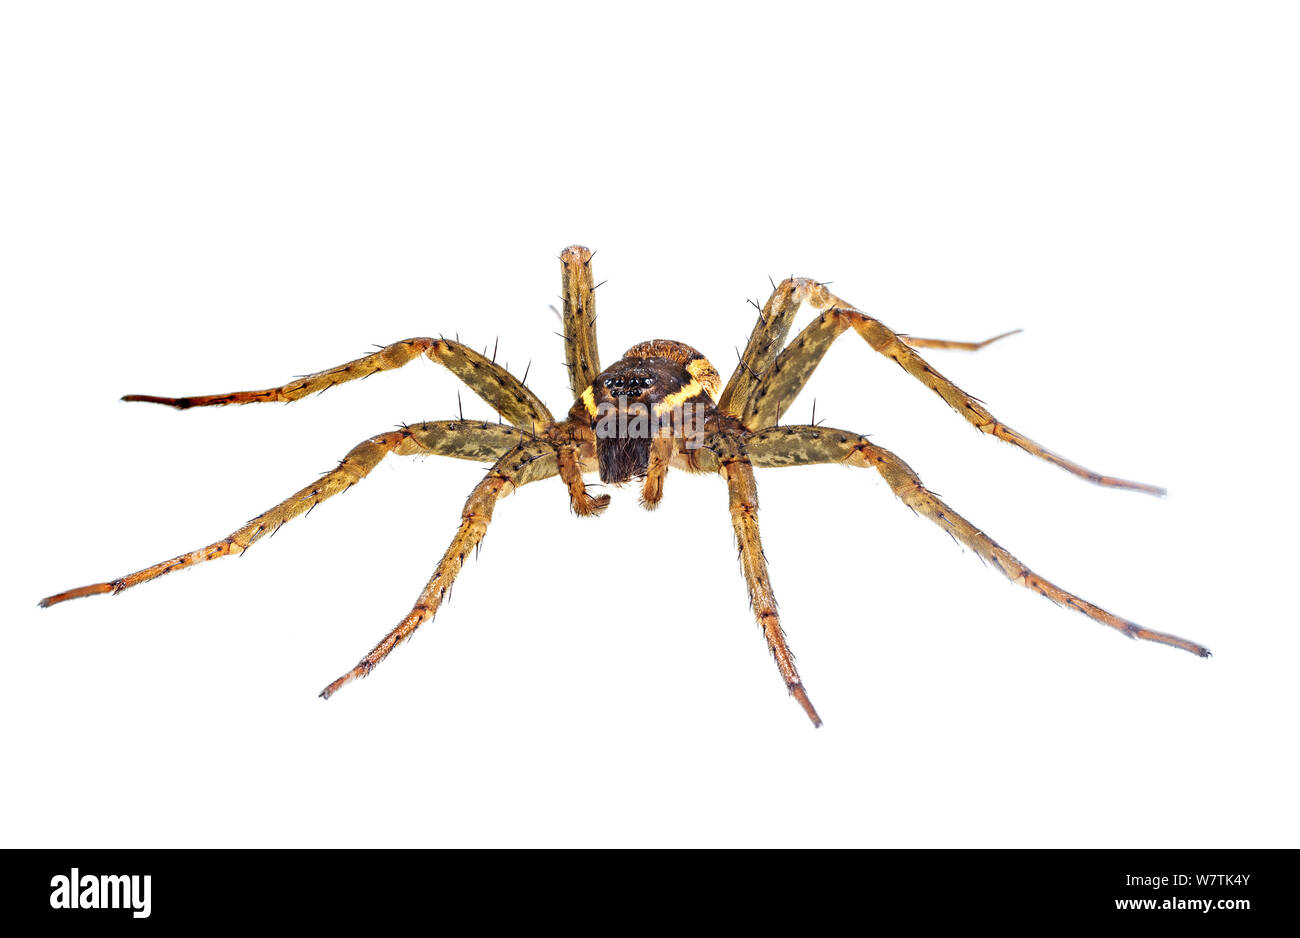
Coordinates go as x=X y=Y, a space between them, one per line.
x=806 y=445
x=579 y=296
x=528 y=462
x=763 y=346
x=456 y=438
x=768 y=339
x=734 y=465
x=503 y=391
x=776 y=389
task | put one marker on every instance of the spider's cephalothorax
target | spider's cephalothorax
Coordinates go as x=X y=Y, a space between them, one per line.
x=659 y=390
x=662 y=405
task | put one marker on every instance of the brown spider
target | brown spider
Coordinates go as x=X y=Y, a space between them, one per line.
x=661 y=405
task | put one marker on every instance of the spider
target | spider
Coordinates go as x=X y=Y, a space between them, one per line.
x=662 y=405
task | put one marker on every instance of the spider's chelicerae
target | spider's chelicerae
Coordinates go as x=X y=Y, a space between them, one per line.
x=661 y=405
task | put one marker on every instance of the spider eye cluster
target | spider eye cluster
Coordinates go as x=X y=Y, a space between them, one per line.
x=619 y=384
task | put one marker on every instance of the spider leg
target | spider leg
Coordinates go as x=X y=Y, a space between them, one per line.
x=764 y=344
x=579 y=297
x=806 y=445
x=777 y=388
x=725 y=453
x=503 y=391
x=459 y=439
x=768 y=339
x=528 y=462
x=953 y=344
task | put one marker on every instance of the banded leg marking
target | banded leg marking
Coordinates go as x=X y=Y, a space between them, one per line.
x=503 y=391
x=529 y=462
x=806 y=445
x=777 y=388
x=460 y=439
x=579 y=296
x=743 y=503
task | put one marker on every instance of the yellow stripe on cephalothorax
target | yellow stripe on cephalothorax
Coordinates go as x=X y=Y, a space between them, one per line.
x=706 y=376
x=672 y=401
x=704 y=380
x=589 y=400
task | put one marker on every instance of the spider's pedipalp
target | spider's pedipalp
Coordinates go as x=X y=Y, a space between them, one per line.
x=503 y=391
x=583 y=503
x=652 y=489
x=441 y=437
x=527 y=462
x=808 y=445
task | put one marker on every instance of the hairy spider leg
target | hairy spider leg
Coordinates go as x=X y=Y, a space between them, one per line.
x=528 y=462
x=807 y=445
x=775 y=389
x=765 y=342
x=506 y=394
x=579 y=318
x=456 y=438
x=725 y=453
x=768 y=339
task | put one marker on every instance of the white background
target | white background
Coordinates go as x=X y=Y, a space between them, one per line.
x=204 y=198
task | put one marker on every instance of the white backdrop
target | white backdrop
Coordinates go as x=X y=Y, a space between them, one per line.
x=209 y=198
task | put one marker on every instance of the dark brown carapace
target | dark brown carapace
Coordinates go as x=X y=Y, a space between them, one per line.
x=661 y=406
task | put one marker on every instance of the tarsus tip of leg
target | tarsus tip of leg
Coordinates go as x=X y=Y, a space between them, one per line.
x=801 y=695
x=180 y=403
x=93 y=590
x=1158 y=491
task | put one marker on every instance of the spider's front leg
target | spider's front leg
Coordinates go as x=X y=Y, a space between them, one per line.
x=770 y=378
x=578 y=293
x=808 y=445
x=503 y=391
x=727 y=455
x=528 y=462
